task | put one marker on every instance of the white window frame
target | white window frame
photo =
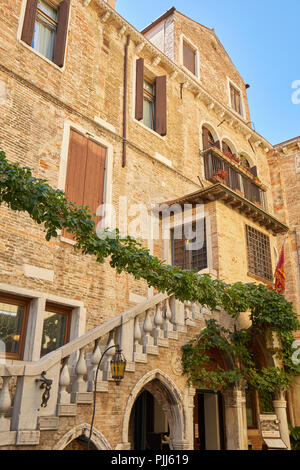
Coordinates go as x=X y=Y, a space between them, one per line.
x=108 y=183
x=19 y=35
x=183 y=39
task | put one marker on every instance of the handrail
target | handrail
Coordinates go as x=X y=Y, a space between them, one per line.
x=37 y=367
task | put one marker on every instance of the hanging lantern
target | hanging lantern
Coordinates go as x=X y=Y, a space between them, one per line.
x=118 y=364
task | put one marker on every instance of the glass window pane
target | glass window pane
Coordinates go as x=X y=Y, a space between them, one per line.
x=54 y=330
x=44 y=39
x=48 y=9
x=11 y=323
x=148 y=113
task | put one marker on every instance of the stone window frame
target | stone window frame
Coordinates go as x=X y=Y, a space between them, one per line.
x=36 y=308
x=251 y=274
x=106 y=221
x=19 y=35
x=231 y=83
x=193 y=46
x=150 y=76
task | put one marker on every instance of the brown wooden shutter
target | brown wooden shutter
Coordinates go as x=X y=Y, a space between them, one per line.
x=76 y=169
x=139 y=94
x=205 y=138
x=189 y=58
x=217 y=144
x=61 y=34
x=29 y=21
x=254 y=170
x=161 y=105
x=94 y=178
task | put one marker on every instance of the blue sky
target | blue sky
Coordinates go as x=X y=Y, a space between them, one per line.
x=262 y=38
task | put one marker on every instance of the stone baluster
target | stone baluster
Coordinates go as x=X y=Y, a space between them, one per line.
x=108 y=356
x=5 y=404
x=64 y=405
x=148 y=342
x=64 y=382
x=167 y=319
x=79 y=390
x=138 y=355
x=188 y=314
x=179 y=307
x=95 y=359
x=172 y=304
x=158 y=322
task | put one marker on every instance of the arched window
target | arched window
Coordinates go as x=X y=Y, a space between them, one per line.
x=226 y=148
x=208 y=140
x=244 y=161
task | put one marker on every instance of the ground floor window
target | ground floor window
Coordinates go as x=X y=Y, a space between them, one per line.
x=56 y=327
x=13 y=319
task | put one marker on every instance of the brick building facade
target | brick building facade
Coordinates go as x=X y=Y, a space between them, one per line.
x=116 y=116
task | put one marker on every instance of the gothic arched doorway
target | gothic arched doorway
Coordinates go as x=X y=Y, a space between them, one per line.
x=155 y=415
x=148 y=426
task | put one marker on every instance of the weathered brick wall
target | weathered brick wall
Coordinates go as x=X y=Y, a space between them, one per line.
x=37 y=98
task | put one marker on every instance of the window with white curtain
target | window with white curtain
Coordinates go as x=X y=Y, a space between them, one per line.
x=45 y=29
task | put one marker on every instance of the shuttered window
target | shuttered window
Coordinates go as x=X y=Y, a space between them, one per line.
x=236 y=100
x=189 y=248
x=259 y=254
x=151 y=100
x=189 y=58
x=45 y=28
x=85 y=174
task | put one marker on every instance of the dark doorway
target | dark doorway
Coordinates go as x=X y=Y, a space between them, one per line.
x=150 y=427
x=208 y=421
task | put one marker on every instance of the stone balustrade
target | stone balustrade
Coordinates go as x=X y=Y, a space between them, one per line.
x=72 y=368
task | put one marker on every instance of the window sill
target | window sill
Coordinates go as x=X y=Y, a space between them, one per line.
x=162 y=137
x=190 y=74
x=61 y=69
x=259 y=278
x=68 y=241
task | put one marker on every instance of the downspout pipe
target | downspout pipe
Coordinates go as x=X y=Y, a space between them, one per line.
x=124 y=155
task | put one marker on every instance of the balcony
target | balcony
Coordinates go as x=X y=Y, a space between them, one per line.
x=224 y=194
x=227 y=169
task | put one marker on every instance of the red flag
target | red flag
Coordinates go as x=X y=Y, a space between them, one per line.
x=280 y=274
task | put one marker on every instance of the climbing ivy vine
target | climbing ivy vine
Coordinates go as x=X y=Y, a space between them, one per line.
x=22 y=192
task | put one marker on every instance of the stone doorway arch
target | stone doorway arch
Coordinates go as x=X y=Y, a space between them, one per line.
x=83 y=431
x=170 y=400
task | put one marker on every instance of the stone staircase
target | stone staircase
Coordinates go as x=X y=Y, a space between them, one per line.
x=141 y=331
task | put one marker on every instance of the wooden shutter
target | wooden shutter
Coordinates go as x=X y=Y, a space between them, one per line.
x=254 y=170
x=139 y=93
x=61 y=34
x=94 y=178
x=205 y=138
x=85 y=174
x=161 y=105
x=29 y=21
x=76 y=169
x=217 y=144
x=189 y=58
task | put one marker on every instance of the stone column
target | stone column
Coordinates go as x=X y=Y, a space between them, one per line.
x=234 y=420
x=280 y=410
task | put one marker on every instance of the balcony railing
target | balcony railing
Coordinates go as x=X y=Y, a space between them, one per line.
x=218 y=168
